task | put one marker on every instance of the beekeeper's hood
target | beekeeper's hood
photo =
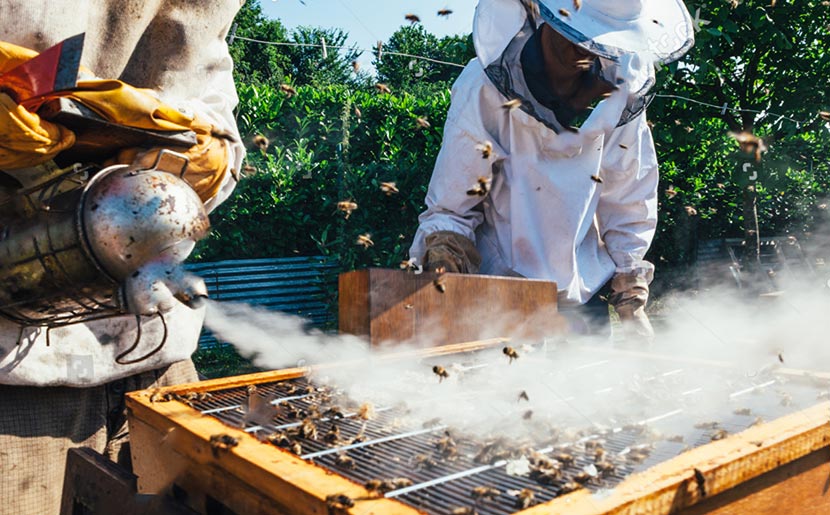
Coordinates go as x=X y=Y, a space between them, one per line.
x=629 y=36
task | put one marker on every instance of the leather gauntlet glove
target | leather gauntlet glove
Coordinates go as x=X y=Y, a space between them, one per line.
x=452 y=252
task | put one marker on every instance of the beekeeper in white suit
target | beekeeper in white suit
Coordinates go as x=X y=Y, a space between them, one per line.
x=522 y=185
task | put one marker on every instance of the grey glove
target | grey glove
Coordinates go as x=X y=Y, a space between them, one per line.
x=452 y=252
x=629 y=294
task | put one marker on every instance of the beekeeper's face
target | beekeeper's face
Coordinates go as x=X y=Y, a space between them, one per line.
x=570 y=57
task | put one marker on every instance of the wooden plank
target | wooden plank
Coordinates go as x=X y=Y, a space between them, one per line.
x=797 y=487
x=400 y=306
x=292 y=485
x=671 y=486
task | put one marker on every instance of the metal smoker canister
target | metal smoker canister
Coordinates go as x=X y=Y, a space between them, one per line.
x=68 y=261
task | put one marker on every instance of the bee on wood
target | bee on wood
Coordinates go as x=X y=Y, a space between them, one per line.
x=366 y=411
x=564 y=458
x=408 y=264
x=345 y=461
x=481 y=188
x=720 y=434
x=486 y=149
x=523 y=396
x=564 y=12
x=447 y=12
x=389 y=188
x=422 y=123
x=373 y=485
x=339 y=502
x=365 y=240
x=261 y=142
x=382 y=88
x=464 y=511
x=569 y=487
x=484 y=492
x=288 y=89
x=412 y=18
x=441 y=372
x=222 y=442
x=157 y=396
x=347 y=207
x=743 y=411
x=512 y=104
x=441 y=286
x=308 y=429
x=597 y=179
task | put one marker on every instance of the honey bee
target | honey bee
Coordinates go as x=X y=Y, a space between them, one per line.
x=445 y=442
x=447 y=12
x=511 y=353
x=527 y=415
x=382 y=88
x=441 y=286
x=464 y=511
x=512 y=104
x=157 y=396
x=750 y=144
x=582 y=477
x=523 y=396
x=297 y=448
x=441 y=372
x=592 y=445
x=308 y=429
x=422 y=123
x=577 y=4
x=248 y=169
x=597 y=179
x=365 y=240
x=525 y=498
x=675 y=438
x=366 y=411
x=222 y=442
x=347 y=207
x=585 y=65
x=389 y=188
x=707 y=425
x=670 y=191
x=569 y=487
x=412 y=18
x=357 y=112
x=481 y=188
x=605 y=467
x=345 y=461
x=484 y=492
x=757 y=421
x=355 y=66
x=431 y=422
x=546 y=476
x=333 y=435
x=564 y=12
x=408 y=264
x=288 y=90
x=339 y=502
x=624 y=147
x=486 y=149
x=564 y=458
x=825 y=115
x=334 y=412
x=786 y=399
x=742 y=411
x=261 y=142
x=691 y=211
x=720 y=434
x=400 y=482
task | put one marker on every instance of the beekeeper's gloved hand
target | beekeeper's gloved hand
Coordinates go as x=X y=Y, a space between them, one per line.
x=452 y=252
x=629 y=294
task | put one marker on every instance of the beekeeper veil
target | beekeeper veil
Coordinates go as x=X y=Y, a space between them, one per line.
x=629 y=36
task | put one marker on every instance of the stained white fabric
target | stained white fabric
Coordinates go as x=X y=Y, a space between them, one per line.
x=179 y=50
x=545 y=217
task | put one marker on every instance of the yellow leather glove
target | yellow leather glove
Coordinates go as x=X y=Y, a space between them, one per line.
x=452 y=252
x=629 y=295
x=26 y=139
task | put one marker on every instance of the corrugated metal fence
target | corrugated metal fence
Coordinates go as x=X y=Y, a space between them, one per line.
x=299 y=285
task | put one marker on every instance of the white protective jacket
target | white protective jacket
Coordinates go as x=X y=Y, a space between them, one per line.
x=178 y=49
x=544 y=218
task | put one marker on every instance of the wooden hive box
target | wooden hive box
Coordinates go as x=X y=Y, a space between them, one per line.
x=778 y=467
x=397 y=306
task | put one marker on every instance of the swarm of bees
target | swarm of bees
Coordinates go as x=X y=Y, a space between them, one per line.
x=481 y=188
x=346 y=207
x=365 y=240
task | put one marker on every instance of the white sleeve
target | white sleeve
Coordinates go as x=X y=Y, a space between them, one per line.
x=627 y=210
x=459 y=165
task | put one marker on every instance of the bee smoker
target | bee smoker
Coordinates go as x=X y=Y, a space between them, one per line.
x=87 y=244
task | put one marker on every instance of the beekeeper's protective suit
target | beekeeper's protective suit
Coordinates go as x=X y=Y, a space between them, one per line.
x=577 y=206
x=70 y=393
